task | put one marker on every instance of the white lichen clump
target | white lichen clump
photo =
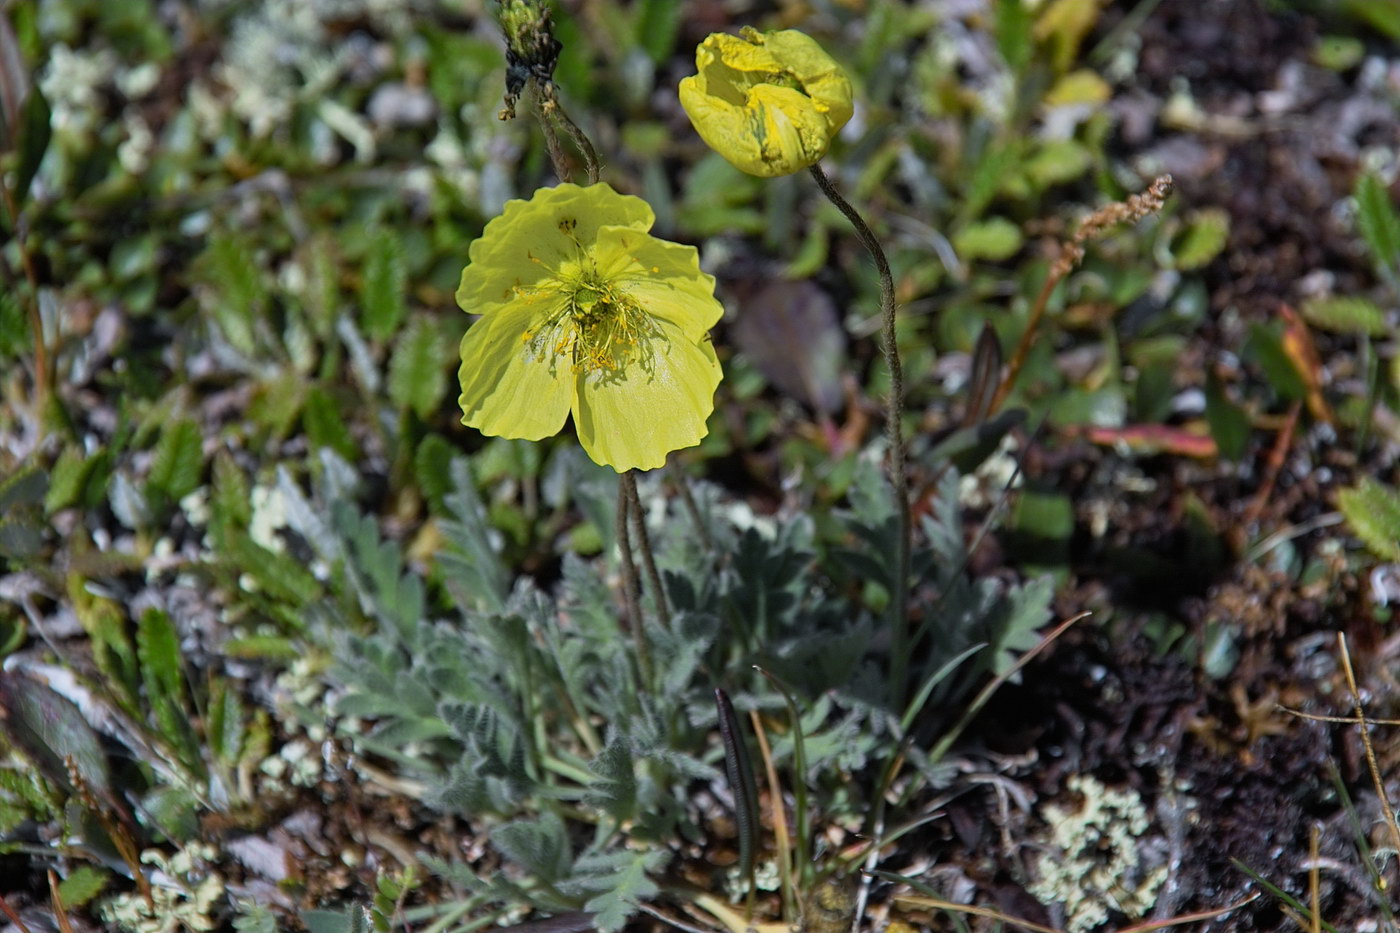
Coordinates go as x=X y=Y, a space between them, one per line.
x=1093 y=860
x=184 y=894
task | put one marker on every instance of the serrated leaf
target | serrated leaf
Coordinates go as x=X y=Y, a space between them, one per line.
x=615 y=790
x=383 y=288
x=158 y=648
x=230 y=506
x=178 y=460
x=540 y=846
x=1372 y=511
x=82 y=886
x=35 y=131
x=1378 y=222
x=1346 y=315
x=417 y=371
x=281 y=578
x=431 y=465
x=69 y=479
x=476 y=576
x=324 y=425
x=628 y=888
x=238 y=291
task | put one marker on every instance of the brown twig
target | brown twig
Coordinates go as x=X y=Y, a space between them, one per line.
x=1371 y=763
x=1278 y=454
x=1071 y=253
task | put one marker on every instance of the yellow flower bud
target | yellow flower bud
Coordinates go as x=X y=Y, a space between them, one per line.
x=770 y=103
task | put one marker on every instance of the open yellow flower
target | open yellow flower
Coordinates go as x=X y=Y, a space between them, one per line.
x=583 y=311
x=770 y=103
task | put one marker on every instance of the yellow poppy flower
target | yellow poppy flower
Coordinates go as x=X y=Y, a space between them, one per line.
x=584 y=312
x=770 y=103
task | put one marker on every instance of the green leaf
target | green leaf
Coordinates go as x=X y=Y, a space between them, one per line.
x=1345 y=315
x=35 y=131
x=657 y=24
x=238 y=291
x=994 y=238
x=417 y=370
x=432 y=462
x=352 y=919
x=1202 y=240
x=1229 y=424
x=627 y=888
x=68 y=479
x=382 y=290
x=25 y=487
x=15 y=337
x=1378 y=222
x=325 y=427
x=52 y=732
x=1058 y=162
x=281 y=578
x=1013 y=33
x=158 y=648
x=540 y=846
x=1372 y=511
x=178 y=460
x=82 y=886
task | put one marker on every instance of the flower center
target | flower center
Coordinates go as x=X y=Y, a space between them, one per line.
x=598 y=326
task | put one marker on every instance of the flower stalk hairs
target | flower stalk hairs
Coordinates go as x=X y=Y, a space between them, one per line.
x=583 y=312
x=770 y=103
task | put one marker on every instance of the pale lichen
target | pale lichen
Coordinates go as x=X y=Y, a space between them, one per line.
x=183 y=894
x=1093 y=860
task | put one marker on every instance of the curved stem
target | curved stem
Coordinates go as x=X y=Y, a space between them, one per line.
x=639 y=528
x=899 y=599
x=629 y=580
x=585 y=146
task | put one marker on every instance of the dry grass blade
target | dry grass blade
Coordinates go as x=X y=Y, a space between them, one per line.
x=60 y=912
x=1314 y=883
x=1371 y=763
x=13 y=915
x=780 y=829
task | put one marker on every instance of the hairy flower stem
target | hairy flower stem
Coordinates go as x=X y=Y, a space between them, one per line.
x=899 y=599
x=639 y=529
x=629 y=578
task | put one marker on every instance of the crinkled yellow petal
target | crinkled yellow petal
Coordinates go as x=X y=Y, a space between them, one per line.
x=770 y=104
x=529 y=240
x=508 y=389
x=822 y=79
x=632 y=420
x=732 y=130
x=663 y=278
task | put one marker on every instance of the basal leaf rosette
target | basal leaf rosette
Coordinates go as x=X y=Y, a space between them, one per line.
x=584 y=312
x=770 y=103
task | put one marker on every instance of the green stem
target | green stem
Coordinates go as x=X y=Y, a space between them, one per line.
x=899 y=599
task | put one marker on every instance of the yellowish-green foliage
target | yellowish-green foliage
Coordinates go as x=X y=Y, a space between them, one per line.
x=770 y=103
x=583 y=312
